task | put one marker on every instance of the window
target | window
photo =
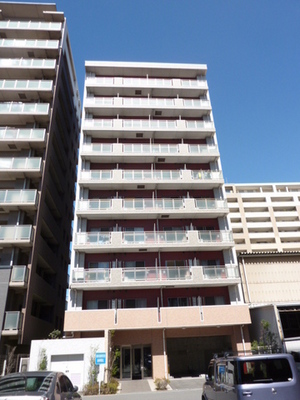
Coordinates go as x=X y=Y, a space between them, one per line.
x=135 y=303
x=178 y=302
x=266 y=370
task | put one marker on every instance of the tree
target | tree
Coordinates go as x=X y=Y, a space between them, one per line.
x=11 y=359
x=267 y=341
x=43 y=360
x=56 y=334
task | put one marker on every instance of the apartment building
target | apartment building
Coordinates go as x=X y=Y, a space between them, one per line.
x=39 y=137
x=153 y=257
x=265 y=220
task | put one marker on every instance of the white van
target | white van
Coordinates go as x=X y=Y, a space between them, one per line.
x=256 y=377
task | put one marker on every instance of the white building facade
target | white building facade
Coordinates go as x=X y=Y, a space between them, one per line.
x=153 y=256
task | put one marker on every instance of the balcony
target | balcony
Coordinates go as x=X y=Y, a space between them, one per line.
x=143 y=106
x=21 y=113
x=154 y=318
x=33 y=89
x=153 y=153
x=20 y=167
x=132 y=241
x=159 y=86
x=33 y=68
x=150 y=179
x=19 y=276
x=18 y=235
x=156 y=208
x=154 y=277
x=26 y=199
x=30 y=26
x=22 y=138
x=168 y=128
x=18 y=48
x=12 y=323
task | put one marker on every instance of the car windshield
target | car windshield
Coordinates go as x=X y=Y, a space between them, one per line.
x=23 y=383
x=265 y=370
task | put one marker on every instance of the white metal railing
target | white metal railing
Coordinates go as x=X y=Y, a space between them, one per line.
x=137 y=237
x=12 y=321
x=24 y=108
x=151 y=82
x=95 y=175
x=150 y=148
x=22 y=134
x=202 y=149
x=27 y=63
x=94 y=205
x=19 y=274
x=11 y=196
x=26 y=84
x=153 y=204
x=29 y=43
x=220 y=272
x=156 y=274
x=97 y=148
x=146 y=123
x=147 y=102
x=91 y=275
x=164 y=175
x=20 y=163
x=30 y=25
x=142 y=124
x=206 y=175
x=215 y=236
x=93 y=238
x=15 y=233
x=211 y=204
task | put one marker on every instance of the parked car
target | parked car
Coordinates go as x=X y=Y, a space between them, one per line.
x=257 y=377
x=39 y=385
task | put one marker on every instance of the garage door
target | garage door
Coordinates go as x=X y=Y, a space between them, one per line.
x=72 y=365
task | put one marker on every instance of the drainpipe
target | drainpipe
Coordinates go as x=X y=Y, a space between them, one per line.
x=246 y=280
x=243 y=339
x=165 y=355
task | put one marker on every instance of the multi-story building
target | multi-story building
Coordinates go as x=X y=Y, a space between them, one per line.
x=39 y=136
x=153 y=257
x=265 y=219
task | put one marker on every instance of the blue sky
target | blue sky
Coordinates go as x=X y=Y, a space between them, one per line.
x=252 y=51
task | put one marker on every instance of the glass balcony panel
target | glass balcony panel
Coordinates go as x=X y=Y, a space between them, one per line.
x=5 y=163
x=2 y=195
x=97 y=275
x=19 y=273
x=12 y=320
x=16 y=108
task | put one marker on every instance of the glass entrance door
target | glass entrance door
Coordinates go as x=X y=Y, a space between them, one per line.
x=137 y=365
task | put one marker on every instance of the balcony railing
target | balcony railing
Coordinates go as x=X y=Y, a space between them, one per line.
x=153 y=204
x=220 y=272
x=22 y=134
x=96 y=175
x=152 y=82
x=12 y=321
x=93 y=238
x=25 y=196
x=91 y=275
x=20 y=163
x=28 y=43
x=31 y=25
x=137 y=175
x=206 y=175
x=146 y=124
x=138 y=237
x=211 y=204
x=150 y=148
x=15 y=233
x=146 y=102
x=24 y=108
x=26 y=85
x=156 y=274
x=27 y=63
x=215 y=236
x=202 y=149
x=94 y=205
x=19 y=274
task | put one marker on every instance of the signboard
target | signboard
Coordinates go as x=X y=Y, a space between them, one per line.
x=100 y=358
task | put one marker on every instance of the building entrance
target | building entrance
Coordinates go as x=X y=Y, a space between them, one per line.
x=136 y=362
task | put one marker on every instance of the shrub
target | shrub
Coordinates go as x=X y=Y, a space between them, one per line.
x=110 y=388
x=90 y=389
x=161 y=383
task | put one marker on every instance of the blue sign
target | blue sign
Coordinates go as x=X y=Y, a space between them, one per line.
x=100 y=358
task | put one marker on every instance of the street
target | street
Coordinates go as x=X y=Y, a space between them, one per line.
x=186 y=394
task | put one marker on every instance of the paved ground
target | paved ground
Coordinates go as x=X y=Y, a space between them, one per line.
x=147 y=386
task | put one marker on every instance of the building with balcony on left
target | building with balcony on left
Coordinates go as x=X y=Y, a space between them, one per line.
x=39 y=133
